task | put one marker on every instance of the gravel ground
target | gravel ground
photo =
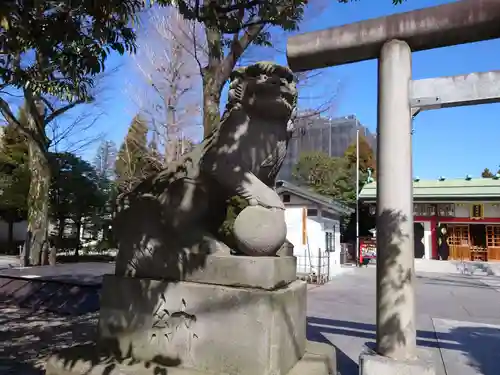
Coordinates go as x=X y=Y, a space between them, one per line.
x=27 y=338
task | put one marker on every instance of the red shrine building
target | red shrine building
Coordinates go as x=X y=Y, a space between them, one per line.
x=455 y=219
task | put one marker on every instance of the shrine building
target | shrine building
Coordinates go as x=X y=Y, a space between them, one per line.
x=455 y=219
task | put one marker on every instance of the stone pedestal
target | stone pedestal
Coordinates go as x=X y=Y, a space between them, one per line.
x=371 y=363
x=229 y=319
x=203 y=326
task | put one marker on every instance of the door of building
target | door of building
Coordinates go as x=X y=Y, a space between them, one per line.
x=459 y=242
x=493 y=241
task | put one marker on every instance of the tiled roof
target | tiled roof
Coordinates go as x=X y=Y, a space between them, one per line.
x=445 y=188
x=304 y=192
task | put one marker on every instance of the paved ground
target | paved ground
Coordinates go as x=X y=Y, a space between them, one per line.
x=28 y=337
x=86 y=273
x=458 y=318
x=8 y=261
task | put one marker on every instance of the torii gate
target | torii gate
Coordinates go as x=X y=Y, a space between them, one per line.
x=391 y=39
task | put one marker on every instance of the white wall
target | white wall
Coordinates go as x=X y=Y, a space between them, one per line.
x=490 y=209
x=462 y=210
x=427 y=239
x=334 y=227
x=308 y=253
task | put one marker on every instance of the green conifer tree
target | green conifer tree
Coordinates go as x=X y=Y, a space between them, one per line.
x=132 y=163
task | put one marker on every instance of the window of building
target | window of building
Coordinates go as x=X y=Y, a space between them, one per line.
x=330 y=241
x=447 y=209
x=286 y=198
x=312 y=212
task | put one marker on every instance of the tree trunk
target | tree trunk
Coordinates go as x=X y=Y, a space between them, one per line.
x=60 y=232
x=78 y=234
x=52 y=255
x=211 y=101
x=10 y=239
x=38 y=198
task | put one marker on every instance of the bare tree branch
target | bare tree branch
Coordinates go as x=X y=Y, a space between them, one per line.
x=171 y=55
x=62 y=110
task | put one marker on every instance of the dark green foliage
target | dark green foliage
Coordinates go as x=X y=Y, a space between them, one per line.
x=14 y=178
x=71 y=39
x=366 y=157
x=327 y=176
x=133 y=163
x=486 y=173
x=233 y=16
x=75 y=187
x=76 y=192
x=14 y=171
x=336 y=177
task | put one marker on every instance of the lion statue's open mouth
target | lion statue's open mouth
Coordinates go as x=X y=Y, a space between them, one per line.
x=265 y=87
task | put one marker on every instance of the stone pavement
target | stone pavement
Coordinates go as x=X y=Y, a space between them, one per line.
x=84 y=273
x=458 y=320
x=458 y=316
x=7 y=261
x=458 y=267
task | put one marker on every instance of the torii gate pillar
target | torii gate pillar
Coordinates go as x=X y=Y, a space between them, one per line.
x=395 y=270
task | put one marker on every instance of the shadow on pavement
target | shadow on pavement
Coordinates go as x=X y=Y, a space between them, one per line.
x=479 y=345
x=27 y=337
x=54 y=296
x=470 y=282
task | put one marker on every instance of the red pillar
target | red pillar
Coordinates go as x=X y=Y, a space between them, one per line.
x=434 y=237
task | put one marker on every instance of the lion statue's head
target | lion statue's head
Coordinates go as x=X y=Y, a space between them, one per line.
x=264 y=87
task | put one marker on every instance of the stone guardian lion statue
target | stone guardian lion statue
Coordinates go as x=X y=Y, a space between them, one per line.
x=176 y=213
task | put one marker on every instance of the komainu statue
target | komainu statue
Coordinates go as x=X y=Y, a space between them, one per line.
x=176 y=213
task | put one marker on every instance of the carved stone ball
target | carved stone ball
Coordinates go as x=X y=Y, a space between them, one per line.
x=259 y=231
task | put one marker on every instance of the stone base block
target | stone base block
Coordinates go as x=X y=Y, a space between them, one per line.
x=370 y=363
x=243 y=271
x=209 y=328
x=221 y=269
x=86 y=360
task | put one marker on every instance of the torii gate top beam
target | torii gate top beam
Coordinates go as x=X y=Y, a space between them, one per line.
x=440 y=26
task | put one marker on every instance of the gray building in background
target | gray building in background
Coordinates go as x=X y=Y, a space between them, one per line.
x=316 y=133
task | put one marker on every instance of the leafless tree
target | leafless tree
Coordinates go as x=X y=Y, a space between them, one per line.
x=171 y=52
x=77 y=130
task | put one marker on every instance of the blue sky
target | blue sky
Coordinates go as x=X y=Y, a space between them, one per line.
x=449 y=142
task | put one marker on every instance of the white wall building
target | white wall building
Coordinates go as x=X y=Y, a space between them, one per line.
x=313 y=224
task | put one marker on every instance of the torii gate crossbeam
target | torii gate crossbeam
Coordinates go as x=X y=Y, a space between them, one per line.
x=391 y=39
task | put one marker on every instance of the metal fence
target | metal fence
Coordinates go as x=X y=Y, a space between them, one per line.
x=314 y=267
